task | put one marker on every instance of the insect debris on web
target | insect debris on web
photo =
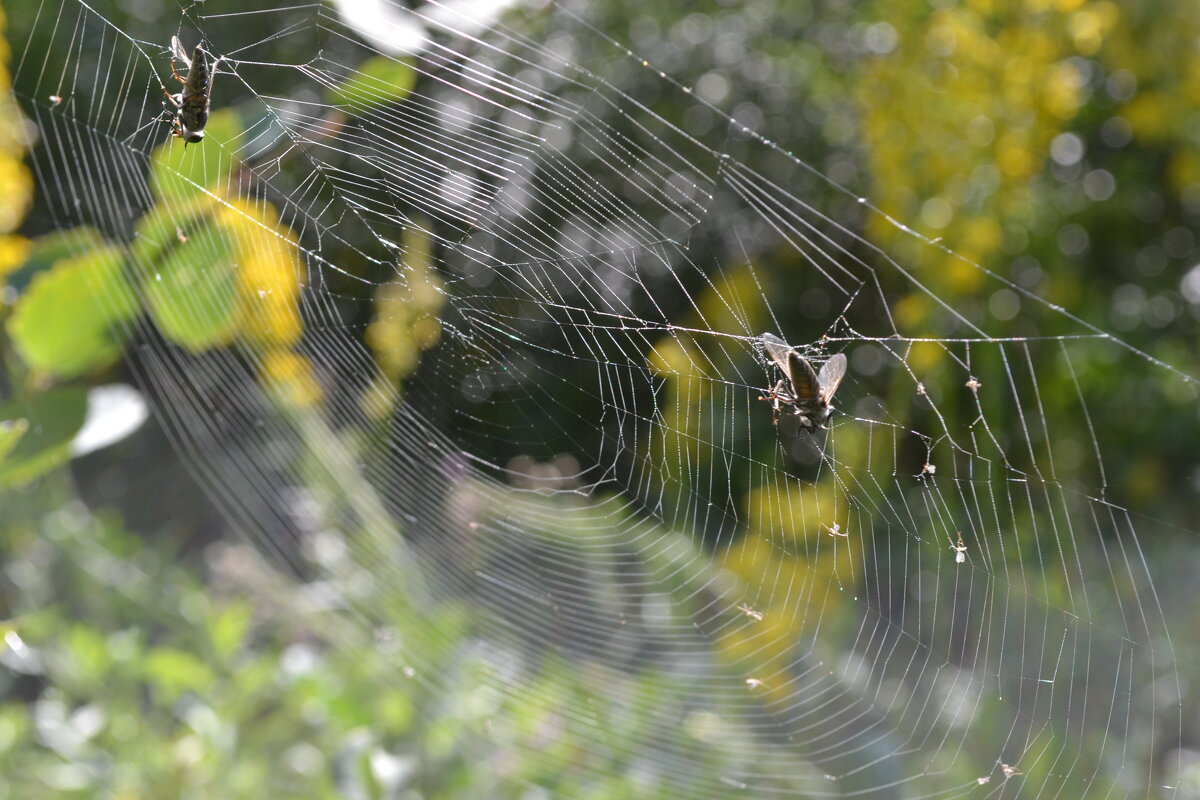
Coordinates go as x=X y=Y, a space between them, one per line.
x=960 y=550
x=751 y=611
x=192 y=102
x=805 y=392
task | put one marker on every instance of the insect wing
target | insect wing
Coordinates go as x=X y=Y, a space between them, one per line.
x=805 y=384
x=778 y=350
x=179 y=51
x=831 y=376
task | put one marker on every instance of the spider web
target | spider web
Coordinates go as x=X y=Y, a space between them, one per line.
x=937 y=597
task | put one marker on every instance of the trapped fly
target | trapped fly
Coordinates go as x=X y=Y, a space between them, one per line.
x=192 y=103
x=805 y=391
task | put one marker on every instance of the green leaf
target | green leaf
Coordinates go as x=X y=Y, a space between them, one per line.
x=11 y=431
x=54 y=247
x=229 y=627
x=53 y=421
x=378 y=81
x=166 y=227
x=176 y=671
x=178 y=172
x=86 y=651
x=68 y=321
x=193 y=294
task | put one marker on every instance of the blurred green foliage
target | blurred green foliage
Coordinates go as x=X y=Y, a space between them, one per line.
x=69 y=345
x=136 y=679
x=376 y=82
x=134 y=674
x=39 y=435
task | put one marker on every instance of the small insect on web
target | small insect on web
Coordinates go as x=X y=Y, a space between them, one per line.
x=192 y=103
x=805 y=391
x=960 y=550
x=751 y=611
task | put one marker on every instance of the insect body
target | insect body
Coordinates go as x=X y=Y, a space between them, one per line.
x=191 y=104
x=803 y=389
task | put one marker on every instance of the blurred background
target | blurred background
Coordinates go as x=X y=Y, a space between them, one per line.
x=402 y=439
